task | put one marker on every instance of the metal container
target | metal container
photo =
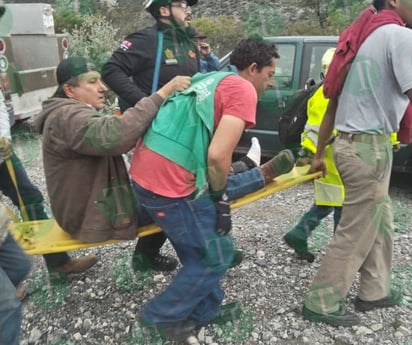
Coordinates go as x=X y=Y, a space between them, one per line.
x=33 y=19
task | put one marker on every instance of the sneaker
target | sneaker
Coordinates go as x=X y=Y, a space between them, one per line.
x=392 y=300
x=300 y=246
x=340 y=318
x=78 y=265
x=237 y=258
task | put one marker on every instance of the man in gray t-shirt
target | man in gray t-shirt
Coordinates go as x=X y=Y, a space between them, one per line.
x=374 y=98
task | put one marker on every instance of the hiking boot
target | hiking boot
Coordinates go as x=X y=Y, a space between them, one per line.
x=300 y=246
x=340 y=318
x=394 y=299
x=78 y=265
x=281 y=164
x=141 y=263
x=237 y=258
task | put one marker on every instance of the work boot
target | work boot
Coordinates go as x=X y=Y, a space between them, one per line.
x=237 y=258
x=78 y=265
x=141 y=263
x=300 y=246
x=164 y=263
x=394 y=299
x=281 y=164
x=340 y=318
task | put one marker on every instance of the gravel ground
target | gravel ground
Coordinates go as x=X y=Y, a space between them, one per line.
x=100 y=305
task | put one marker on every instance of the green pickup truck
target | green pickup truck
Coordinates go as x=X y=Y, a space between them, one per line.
x=299 y=63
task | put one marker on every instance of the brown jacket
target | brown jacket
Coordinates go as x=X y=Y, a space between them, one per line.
x=87 y=181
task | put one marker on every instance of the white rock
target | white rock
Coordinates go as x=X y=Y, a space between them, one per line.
x=404 y=331
x=78 y=323
x=362 y=330
x=35 y=335
x=376 y=327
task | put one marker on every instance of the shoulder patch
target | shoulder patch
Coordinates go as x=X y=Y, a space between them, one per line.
x=125 y=45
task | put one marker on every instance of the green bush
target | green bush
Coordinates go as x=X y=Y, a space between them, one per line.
x=95 y=39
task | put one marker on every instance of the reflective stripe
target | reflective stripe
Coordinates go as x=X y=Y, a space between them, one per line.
x=314 y=128
x=309 y=141
x=327 y=194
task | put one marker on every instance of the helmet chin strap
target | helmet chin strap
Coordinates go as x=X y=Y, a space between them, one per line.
x=170 y=17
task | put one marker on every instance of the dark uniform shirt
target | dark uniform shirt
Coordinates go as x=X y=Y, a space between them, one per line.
x=136 y=57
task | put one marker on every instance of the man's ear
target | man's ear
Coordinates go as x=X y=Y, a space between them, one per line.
x=252 y=68
x=164 y=11
x=68 y=90
x=393 y=3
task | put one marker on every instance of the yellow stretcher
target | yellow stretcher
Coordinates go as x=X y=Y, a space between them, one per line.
x=45 y=236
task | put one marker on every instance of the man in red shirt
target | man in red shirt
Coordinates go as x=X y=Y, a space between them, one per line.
x=194 y=213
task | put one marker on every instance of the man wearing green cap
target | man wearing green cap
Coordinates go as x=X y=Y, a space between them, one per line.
x=130 y=73
x=87 y=181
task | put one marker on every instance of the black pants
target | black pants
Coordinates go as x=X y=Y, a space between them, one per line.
x=32 y=199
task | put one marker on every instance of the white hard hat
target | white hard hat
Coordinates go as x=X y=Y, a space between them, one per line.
x=327 y=59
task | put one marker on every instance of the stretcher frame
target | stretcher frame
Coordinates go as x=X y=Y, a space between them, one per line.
x=46 y=237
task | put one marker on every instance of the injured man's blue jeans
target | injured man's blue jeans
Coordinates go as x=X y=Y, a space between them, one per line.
x=244 y=183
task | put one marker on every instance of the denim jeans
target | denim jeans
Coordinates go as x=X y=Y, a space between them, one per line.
x=238 y=185
x=14 y=267
x=189 y=223
x=244 y=183
x=32 y=198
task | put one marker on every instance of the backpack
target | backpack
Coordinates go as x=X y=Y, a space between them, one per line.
x=292 y=122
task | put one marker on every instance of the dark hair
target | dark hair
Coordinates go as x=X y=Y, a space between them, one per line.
x=154 y=10
x=379 y=4
x=73 y=81
x=253 y=50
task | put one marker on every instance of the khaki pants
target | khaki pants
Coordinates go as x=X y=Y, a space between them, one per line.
x=364 y=237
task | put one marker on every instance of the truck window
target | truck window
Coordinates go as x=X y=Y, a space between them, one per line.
x=312 y=61
x=284 y=66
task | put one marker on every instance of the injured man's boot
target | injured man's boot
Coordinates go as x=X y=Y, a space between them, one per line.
x=281 y=164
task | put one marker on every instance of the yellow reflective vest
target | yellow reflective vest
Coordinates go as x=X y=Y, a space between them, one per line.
x=329 y=190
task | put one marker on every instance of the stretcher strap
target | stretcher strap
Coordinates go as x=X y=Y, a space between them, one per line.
x=12 y=173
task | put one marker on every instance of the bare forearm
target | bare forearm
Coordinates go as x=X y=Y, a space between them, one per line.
x=326 y=127
x=217 y=173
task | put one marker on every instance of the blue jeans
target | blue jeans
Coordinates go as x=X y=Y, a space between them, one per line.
x=33 y=201
x=244 y=183
x=14 y=267
x=238 y=185
x=189 y=223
